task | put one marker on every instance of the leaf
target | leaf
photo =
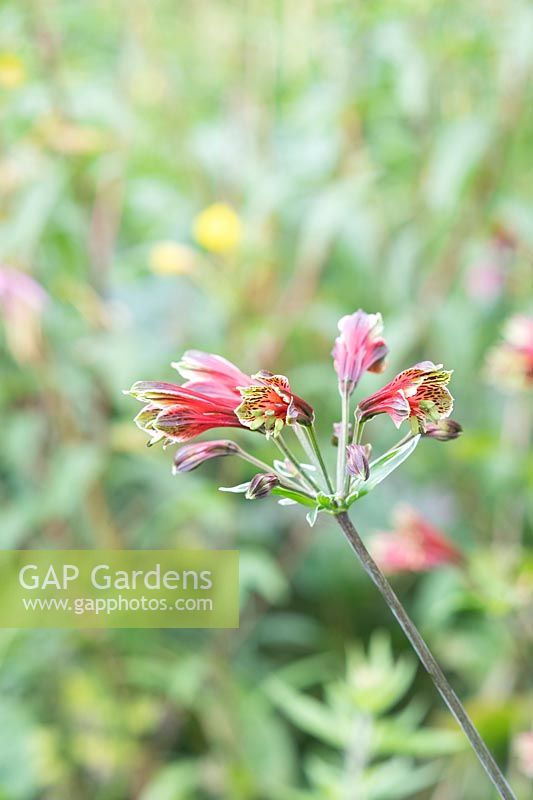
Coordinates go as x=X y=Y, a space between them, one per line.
x=241 y=488
x=382 y=467
x=291 y=494
x=308 y=714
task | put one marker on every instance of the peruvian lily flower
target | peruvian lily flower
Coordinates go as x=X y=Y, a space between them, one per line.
x=359 y=348
x=176 y=413
x=418 y=394
x=218 y=394
x=211 y=374
x=414 y=545
x=269 y=403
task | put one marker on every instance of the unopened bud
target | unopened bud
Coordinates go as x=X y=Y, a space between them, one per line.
x=192 y=456
x=443 y=430
x=357 y=456
x=261 y=485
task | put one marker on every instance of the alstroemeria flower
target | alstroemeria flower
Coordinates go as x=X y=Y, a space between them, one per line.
x=418 y=393
x=176 y=413
x=359 y=348
x=414 y=545
x=191 y=456
x=211 y=374
x=269 y=403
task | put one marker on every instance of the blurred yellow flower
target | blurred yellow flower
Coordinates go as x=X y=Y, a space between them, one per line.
x=12 y=70
x=171 y=258
x=218 y=228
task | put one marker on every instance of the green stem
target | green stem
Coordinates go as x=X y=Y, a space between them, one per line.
x=426 y=657
x=311 y=435
x=306 y=479
x=264 y=467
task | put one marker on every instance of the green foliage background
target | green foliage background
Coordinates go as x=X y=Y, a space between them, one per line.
x=377 y=154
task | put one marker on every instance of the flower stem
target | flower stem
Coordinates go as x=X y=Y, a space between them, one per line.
x=311 y=435
x=264 y=467
x=424 y=654
x=343 y=441
x=306 y=479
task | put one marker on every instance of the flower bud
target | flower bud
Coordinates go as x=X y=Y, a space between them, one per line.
x=357 y=456
x=192 y=456
x=261 y=485
x=443 y=430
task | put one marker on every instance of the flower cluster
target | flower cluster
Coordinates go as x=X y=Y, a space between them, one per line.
x=217 y=394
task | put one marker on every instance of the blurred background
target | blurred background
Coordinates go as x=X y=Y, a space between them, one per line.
x=234 y=177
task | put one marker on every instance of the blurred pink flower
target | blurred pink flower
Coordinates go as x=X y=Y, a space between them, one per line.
x=485 y=281
x=510 y=363
x=414 y=545
x=22 y=301
x=360 y=347
x=418 y=393
x=523 y=747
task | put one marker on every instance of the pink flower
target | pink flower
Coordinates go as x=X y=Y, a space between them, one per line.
x=418 y=393
x=211 y=374
x=359 y=347
x=212 y=399
x=22 y=301
x=176 y=413
x=191 y=456
x=413 y=546
x=269 y=403
x=510 y=363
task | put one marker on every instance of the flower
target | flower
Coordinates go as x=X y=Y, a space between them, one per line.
x=12 y=71
x=414 y=545
x=192 y=456
x=359 y=347
x=176 y=414
x=443 y=430
x=22 y=302
x=269 y=403
x=211 y=374
x=171 y=258
x=218 y=228
x=357 y=456
x=418 y=393
x=261 y=485
x=510 y=364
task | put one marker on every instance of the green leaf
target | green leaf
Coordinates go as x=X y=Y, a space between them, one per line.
x=382 y=467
